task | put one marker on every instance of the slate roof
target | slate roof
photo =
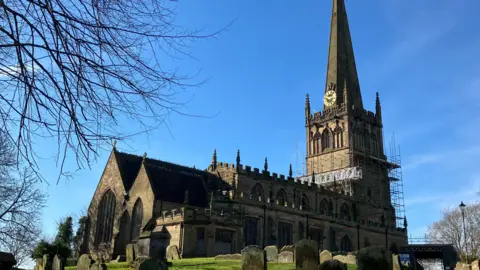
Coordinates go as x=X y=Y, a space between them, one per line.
x=170 y=181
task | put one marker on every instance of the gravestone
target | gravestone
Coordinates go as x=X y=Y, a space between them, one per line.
x=47 y=262
x=272 y=253
x=396 y=262
x=306 y=255
x=173 y=253
x=38 y=264
x=325 y=255
x=332 y=265
x=349 y=259
x=254 y=258
x=84 y=262
x=285 y=257
x=290 y=248
x=475 y=265
x=374 y=258
x=130 y=253
x=57 y=263
x=7 y=260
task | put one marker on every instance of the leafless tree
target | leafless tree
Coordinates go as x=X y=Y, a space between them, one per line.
x=73 y=70
x=21 y=203
x=449 y=230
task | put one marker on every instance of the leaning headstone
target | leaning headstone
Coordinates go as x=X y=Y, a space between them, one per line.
x=285 y=257
x=396 y=262
x=130 y=253
x=325 y=255
x=38 y=264
x=306 y=255
x=84 y=262
x=290 y=248
x=349 y=259
x=373 y=258
x=47 y=262
x=173 y=253
x=332 y=265
x=475 y=265
x=254 y=258
x=57 y=263
x=272 y=253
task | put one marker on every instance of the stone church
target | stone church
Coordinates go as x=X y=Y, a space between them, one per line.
x=344 y=200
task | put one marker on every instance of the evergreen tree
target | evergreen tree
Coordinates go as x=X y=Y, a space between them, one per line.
x=65 y=232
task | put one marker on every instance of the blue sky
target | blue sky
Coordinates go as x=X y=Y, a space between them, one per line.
x=422 y=56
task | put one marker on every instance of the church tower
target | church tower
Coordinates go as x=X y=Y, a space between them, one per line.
x=345 y=135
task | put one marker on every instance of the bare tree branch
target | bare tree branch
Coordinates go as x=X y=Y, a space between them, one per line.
x=21 y=203
x=449 y=230
x=73 y=70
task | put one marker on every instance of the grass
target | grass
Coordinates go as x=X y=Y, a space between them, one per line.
x=208 y=264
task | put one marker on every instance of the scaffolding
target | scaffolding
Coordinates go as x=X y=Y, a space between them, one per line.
x=396 y=183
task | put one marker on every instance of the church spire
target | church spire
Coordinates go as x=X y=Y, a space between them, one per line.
x=342 y=75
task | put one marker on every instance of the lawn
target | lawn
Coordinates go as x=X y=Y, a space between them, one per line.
x=208 y=264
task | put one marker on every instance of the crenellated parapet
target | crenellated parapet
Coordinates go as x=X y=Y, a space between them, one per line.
x=225 y=169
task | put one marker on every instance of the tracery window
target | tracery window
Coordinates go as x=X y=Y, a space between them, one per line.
x=326 y=139
x=344 y=212
x=374 y=144
x=281 y=197
x=304 y=203
x=105 y=217
x=366 y=139
x=323 y=207
x=257 y=192
x=316 y=143
x=346 y=244
x=137 y=217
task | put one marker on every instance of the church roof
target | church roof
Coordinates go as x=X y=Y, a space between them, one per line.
x=170 y=181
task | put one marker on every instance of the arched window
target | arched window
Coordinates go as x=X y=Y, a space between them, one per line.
x=326 y=139
x=330 y=208
x=374 y=144
x=123 y=235
x=137 y=218
x=346 y=244
x=366 y=139
x=316 y=143
x=281 y=197
x=105 y=217
x=344 y=212
x=257 y=192
x=323 y=207
x=304 y=203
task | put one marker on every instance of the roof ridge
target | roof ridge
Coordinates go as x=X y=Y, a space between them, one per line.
x=159 y=160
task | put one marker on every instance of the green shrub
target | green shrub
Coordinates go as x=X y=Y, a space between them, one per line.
x=373 y=258
x=332 y=265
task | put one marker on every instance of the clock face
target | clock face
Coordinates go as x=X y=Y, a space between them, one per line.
x=329 y=98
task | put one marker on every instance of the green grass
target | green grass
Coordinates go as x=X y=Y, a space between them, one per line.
x=208 y=264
